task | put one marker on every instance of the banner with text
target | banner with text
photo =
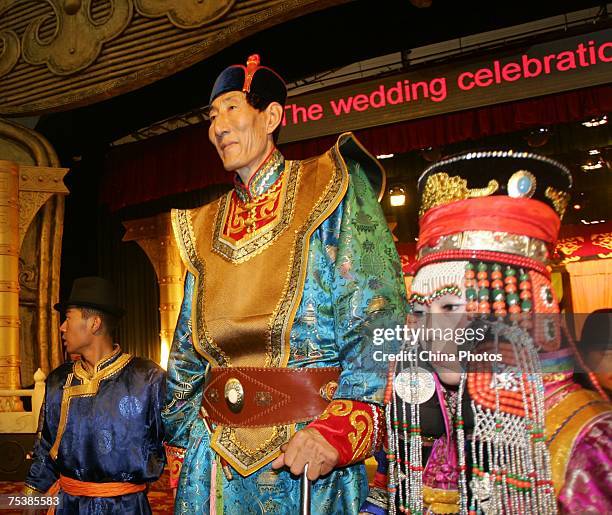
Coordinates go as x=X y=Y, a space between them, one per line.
x=545 y=68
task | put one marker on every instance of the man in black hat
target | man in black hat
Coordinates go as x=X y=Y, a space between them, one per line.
x=290 y=274
x=100 y=434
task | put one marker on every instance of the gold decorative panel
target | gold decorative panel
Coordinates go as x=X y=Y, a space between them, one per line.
x=186 y=14
x=9 y=274
x=59 y=54
x=77 y=40
x=10 y=52
x=36 y=247
x=36 y=185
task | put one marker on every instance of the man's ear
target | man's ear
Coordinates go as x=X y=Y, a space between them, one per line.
x=96 y=324
x=275 y=113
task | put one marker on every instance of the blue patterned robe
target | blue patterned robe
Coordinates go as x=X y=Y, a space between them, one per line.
x=353 y=284
x=113 y=434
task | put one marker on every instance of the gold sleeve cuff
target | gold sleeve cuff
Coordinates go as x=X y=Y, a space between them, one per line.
x=29 y=491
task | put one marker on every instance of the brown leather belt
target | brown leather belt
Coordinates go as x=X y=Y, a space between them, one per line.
x=263 y=397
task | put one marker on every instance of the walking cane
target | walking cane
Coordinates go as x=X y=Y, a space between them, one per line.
x=305 y=487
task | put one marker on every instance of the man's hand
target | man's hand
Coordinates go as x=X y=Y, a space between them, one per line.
x=307 y=446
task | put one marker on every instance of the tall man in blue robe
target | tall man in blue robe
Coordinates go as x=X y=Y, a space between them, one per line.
x=101 y=436
x=273 y=364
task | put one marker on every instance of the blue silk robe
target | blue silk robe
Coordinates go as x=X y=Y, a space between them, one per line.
x=114 y=433
x=353 y=285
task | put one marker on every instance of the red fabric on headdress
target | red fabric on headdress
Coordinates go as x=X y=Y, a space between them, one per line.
x=522 y=216
x=251 y=66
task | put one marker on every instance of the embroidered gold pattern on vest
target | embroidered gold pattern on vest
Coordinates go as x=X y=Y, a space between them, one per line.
x=227 y=441
x=245 y=219
x=244 y=229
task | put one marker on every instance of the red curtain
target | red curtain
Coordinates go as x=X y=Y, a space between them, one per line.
x=407 y=254
x=184 y=160
x=577 y=242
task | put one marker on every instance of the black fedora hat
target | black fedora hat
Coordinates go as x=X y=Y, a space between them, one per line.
x=92 y=292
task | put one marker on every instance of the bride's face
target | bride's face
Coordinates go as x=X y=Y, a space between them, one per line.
x=445 y=313
x=448 y=303
x=439 y=306
x=439 y=295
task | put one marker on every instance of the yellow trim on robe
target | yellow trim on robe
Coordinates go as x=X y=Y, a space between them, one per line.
x=89 y=388
x=441 y=501
x=564 y=423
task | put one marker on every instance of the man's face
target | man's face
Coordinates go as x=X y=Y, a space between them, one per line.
x=239 y=132
x=75 y=331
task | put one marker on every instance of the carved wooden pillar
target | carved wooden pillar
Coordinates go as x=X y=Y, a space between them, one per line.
x=9 y=282
x=154 y=235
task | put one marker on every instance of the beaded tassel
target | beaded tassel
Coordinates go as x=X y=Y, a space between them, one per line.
x=499 y=298
x=512 y=298
x=498 y=291
x=484 y=306
x=470 y=289
x=530 y=457
x=416 y=449
x=391 y=474
x=511 y=463
x=404 y=485
x=459 y=426
x=496 y=447
x=405 y=475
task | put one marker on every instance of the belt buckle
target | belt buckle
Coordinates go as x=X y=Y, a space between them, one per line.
x=234 y=395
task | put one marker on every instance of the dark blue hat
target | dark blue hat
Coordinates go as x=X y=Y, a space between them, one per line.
x=260 y=80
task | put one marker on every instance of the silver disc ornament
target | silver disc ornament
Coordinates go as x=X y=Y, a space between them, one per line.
x=425 y=387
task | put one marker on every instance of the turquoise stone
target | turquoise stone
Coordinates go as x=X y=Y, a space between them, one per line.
x=524 y=185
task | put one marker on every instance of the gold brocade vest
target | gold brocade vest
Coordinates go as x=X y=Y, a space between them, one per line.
x=564 y=423
x=249 y=285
